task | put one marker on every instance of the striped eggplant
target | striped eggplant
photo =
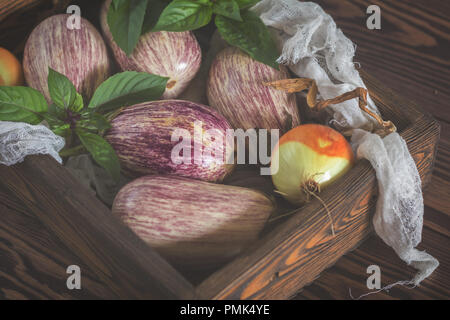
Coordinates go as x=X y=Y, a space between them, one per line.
x=235 y=88
x=142 y=138
x=79 y=54
x=191 y=222
x=176 y=55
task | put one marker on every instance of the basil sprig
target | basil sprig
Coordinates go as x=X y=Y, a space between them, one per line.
x=129 y=19
x=69 y=117
x=125 y=20
x=184 y=15
x=251 y=36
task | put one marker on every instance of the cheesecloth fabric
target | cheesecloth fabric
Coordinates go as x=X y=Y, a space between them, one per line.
x=313 y=47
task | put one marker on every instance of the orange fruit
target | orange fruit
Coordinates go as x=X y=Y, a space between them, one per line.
x=10 y=69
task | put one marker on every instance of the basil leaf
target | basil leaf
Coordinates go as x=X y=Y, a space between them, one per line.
x=62 y=91
x=118 y=3
x=244 y=4
x=55 y=112
x=55 y=116
x=127 y=88
x=227 y=8
x=102 y=152
x=184 y=15
x=22 y=104
x=154 y=10
x=78 y=104
x=125 y=20
x=61 y=130
x=251 y=35
x=95 y=122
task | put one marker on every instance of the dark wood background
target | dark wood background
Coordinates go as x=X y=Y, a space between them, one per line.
x=411 y=55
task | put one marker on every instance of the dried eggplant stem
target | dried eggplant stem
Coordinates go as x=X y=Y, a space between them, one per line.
x=300 y=84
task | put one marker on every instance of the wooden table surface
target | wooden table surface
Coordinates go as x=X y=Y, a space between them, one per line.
x=411 y=55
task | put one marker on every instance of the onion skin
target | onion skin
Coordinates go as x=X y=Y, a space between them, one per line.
x=141 y=136
x=176 y=55
x=309 y=158
x=191 y=222
x=80 y=55
x=235 y=89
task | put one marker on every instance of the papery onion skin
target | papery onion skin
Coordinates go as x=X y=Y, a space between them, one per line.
x=141 y=136
x=235 y=89
x=176 y=55
x=191 y=222
x=79 y=54
x=309 y=158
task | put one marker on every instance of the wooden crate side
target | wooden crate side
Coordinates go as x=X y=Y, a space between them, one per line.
x=295 y=253
x=114 y=254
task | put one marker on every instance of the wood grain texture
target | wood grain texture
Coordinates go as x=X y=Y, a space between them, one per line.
x=411 y=55
x=7 y=6
x=97 y=241
x=18 y=17
x=294 y=253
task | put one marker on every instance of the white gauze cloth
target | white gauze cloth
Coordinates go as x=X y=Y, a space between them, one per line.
x=18 y=140
x=313 y=47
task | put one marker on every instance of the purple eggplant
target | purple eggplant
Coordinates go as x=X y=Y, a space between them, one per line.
x=235 y=89
x=176 y=55
x=80 y=54
x=146 y=136
x=191 y=222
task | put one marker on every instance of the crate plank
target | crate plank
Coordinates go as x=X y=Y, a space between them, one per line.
x=39 y=192
x=294 y=253
x=114 y=254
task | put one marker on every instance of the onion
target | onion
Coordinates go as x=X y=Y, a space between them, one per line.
x=307 y=159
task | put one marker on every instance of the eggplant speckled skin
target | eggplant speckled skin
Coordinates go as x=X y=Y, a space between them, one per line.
x=235 y=89
x=80 y=54
x=192 y=222
x=141 y=136
x=176 y=55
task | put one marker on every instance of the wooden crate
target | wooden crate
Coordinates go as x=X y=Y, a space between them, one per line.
x=282 y=261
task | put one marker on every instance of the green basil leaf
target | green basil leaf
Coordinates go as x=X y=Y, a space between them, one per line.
x=251 y=35
x=95 y=122
x=22 y=104
x=102 y=152
x=61 y=130
x=78 y=104
x=125 y=20
x=118 y=3
x=184 y=15
x=55 y=116
x=227 y=8
x=154 y=10
x=62 y=91
x=56 y=112
x=127 y=88
x=244 y=4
